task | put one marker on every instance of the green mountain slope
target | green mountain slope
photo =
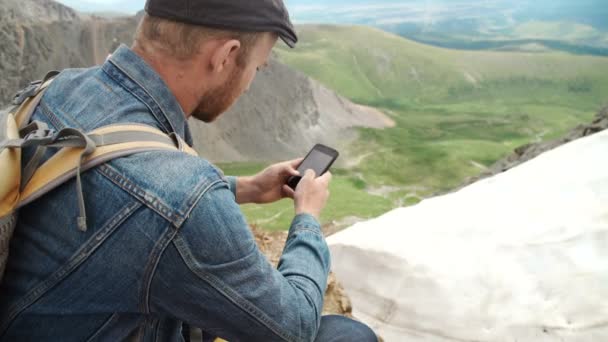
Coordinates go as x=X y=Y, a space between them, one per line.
x=456 y=112
x=368 y=65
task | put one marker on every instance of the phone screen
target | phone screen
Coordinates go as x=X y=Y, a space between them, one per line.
x=319 y=159
x=316 y=161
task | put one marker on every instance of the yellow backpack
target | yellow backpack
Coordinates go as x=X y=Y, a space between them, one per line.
x=76 y=152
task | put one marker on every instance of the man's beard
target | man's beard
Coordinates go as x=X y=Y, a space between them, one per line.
x=217 y=101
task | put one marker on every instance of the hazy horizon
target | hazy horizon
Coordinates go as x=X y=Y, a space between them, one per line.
x=589 y=12
x=462 y=24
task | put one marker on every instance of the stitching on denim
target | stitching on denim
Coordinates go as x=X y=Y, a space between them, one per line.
x=104 y=84
x=195 y=198
x=152 y=265
x=146 y=198
x=120 y=83
x=229 y=293
x=95 y=335
x=141 y=330
x=50 y=115
x=157 y=329
x=76 y=260
x=55 y=119
x=138 y=96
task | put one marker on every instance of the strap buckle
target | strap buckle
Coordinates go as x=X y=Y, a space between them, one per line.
x=41 y=135
x=33 y=89
x=29 y=92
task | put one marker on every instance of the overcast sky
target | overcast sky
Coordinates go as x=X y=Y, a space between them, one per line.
x=127 y=6
x=132 y=6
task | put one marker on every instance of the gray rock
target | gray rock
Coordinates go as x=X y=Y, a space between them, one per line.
x=282 y=117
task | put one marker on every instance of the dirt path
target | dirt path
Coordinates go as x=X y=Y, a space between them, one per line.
x=355 y=161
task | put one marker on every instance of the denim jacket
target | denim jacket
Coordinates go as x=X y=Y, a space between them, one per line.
x=166 y=243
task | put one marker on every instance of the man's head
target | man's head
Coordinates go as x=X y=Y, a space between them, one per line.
x=209 y=55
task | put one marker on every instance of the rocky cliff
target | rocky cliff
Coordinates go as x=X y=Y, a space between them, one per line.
x=282 y=117
x=38 y=36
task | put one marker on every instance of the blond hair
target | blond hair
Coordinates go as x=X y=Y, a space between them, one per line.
x=182 y=41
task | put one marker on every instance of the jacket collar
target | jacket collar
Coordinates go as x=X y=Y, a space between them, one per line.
x=133 y=73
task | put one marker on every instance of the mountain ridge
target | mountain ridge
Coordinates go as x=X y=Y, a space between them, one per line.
x=307 y=112
x=457 y=112
x=39 y=11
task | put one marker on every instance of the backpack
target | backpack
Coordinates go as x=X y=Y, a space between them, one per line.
x=77 y=152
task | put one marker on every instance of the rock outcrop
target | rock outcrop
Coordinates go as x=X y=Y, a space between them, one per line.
x=38 y=36
x=282 y=117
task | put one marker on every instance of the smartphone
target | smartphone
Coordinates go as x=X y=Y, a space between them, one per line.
x=319 y=159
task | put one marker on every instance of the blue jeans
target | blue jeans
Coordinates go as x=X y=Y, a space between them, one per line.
x=342 y=329
x=336 y=328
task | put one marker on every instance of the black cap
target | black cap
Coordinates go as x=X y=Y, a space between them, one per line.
x=237 y=15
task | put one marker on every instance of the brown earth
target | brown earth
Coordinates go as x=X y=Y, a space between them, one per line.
x=336 y=300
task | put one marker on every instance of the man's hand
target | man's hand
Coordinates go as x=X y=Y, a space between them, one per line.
x=269 y=185
x=312 y=193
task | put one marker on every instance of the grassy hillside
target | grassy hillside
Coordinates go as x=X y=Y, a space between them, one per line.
x=457 y=112
x=370 y=65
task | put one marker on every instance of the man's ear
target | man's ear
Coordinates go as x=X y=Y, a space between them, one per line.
x=224 y=54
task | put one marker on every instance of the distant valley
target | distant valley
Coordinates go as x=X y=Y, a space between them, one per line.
x=456 y=112
x=571 y=26
x=578 y=27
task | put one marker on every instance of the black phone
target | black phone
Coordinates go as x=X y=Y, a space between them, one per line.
x=319 y=159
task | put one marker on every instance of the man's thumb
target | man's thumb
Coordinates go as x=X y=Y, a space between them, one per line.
x=310 y=174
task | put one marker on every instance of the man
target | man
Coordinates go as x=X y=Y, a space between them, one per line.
x=167 y=245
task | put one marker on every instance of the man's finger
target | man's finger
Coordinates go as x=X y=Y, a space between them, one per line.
x=288 y=192
x=292 y=172
x=295 y=163
x=310 y=174
x=288 y=168
x=326 y=177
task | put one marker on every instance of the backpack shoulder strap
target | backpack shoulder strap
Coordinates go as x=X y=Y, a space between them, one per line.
x=29 y=98
x=79 y=152
x=111 y=142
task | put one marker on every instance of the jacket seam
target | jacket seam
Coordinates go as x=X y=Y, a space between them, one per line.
x=103 y=326
x=137 y=192
x=145 y=90
x=157 y=330
x=152 y=266
x=196 y=196
x=245 y=305
x=69 y=118
x=46 y=111
x=82 y=254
